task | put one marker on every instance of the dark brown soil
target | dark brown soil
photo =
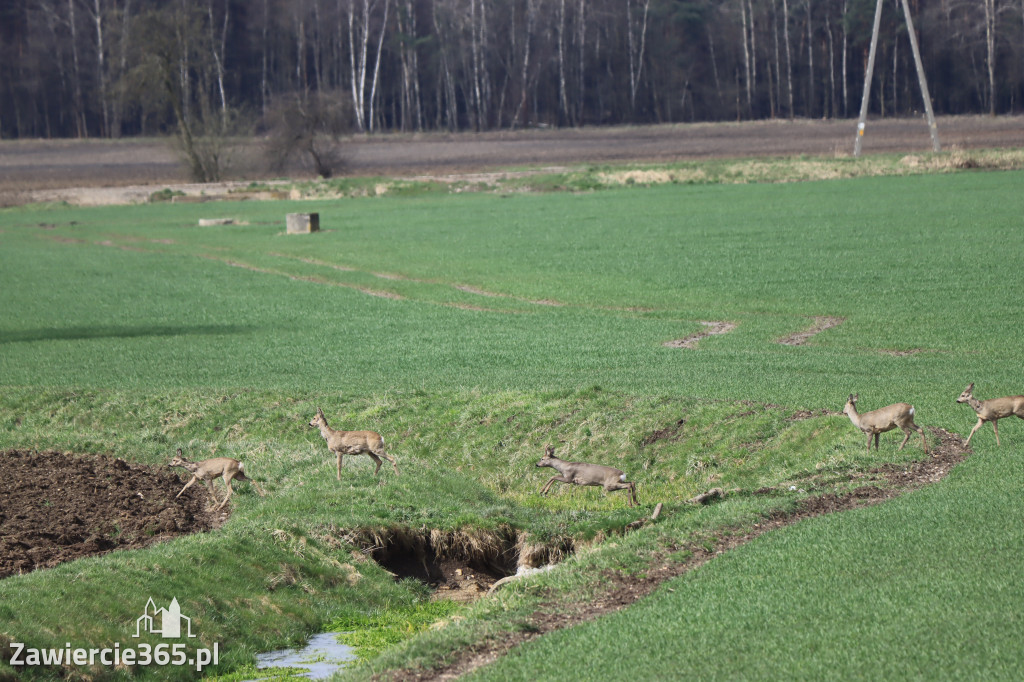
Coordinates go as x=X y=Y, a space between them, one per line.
x=622 y=590
x=55 y=507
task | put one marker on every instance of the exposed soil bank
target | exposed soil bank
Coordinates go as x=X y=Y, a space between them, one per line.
x=461 y=565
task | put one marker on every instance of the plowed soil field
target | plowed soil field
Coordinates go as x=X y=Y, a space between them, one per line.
x=57 y=506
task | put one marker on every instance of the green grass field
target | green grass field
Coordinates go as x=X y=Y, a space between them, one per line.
x=471 y=330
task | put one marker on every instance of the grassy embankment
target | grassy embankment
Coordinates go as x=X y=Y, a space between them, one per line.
x=127 y=331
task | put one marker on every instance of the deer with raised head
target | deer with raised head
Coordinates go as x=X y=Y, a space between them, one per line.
x=581 y=473
x=991 y=410
x=209 y=469
x=352 y=443
x=885 y=419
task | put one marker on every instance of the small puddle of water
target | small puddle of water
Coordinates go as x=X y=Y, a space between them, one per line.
x=322 y=657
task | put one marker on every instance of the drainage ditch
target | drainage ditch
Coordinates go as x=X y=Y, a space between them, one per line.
x=461 y=565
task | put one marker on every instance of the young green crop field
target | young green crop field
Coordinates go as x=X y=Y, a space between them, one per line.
x=473 y=329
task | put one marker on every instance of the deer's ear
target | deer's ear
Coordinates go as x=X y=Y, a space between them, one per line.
x=971 y=387
x=179 y=452
x=850 y=399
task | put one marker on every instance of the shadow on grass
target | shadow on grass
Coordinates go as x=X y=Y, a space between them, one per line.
x=119 y=332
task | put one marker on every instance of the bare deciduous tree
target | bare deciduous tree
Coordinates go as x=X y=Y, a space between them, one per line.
x=309 y=125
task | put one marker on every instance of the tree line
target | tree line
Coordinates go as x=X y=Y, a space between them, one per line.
x=109 y=68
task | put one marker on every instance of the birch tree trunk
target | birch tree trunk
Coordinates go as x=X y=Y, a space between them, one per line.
x=76 y=73
x=810 y=62
x=358 y=64
x=101 y=66
x=789 y=54
x=746 y=55
x=990 y=51
x=581 y=39
x=376 y=65
x=531 y=16
x=846 y=101
x=218 y=47
x=636 y=52
x=563 y=100
x=411 y=111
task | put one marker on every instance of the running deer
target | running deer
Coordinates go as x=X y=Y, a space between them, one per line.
x=352 y=443
x=884 y=419
x=992 y=410
x=581 y=473
x=209 y=469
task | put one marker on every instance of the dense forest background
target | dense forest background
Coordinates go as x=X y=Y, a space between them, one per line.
x=110 y=68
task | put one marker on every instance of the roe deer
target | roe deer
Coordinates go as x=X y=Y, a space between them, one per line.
x=209 y=469
x=991 y=410
x=884 y=419
x=581 y=473
x=352 y=443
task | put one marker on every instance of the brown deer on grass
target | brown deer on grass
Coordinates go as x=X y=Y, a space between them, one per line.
x=581 y=473
x=352 y=443
x=209 y=469
x=885 y=419
x=991 y=410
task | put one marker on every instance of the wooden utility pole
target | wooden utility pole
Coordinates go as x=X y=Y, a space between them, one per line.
x=932 y=129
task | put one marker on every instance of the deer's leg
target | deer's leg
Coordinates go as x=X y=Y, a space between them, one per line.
x=394 y=463
x=551 y=480
x=339 y=466
x=227 y=483
x=996 y=429
x=628 y=486
x=924 y=441
x=906 y=436
x=194 y=479
x=976 y=427
x=213 y=494
x=377 y=460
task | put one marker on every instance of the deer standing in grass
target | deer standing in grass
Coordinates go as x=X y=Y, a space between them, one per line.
x=352 y=443
x=885 y=419
x=991 y=410
x=581 y=473
x=209 y=469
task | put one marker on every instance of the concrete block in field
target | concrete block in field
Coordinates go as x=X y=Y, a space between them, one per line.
x=303 y=223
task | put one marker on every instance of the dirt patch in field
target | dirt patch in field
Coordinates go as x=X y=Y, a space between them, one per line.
x=820 y=324
x=901 y=353
x=671 y=433
x=622 y=589
x=55 y=507
x=711 y=329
